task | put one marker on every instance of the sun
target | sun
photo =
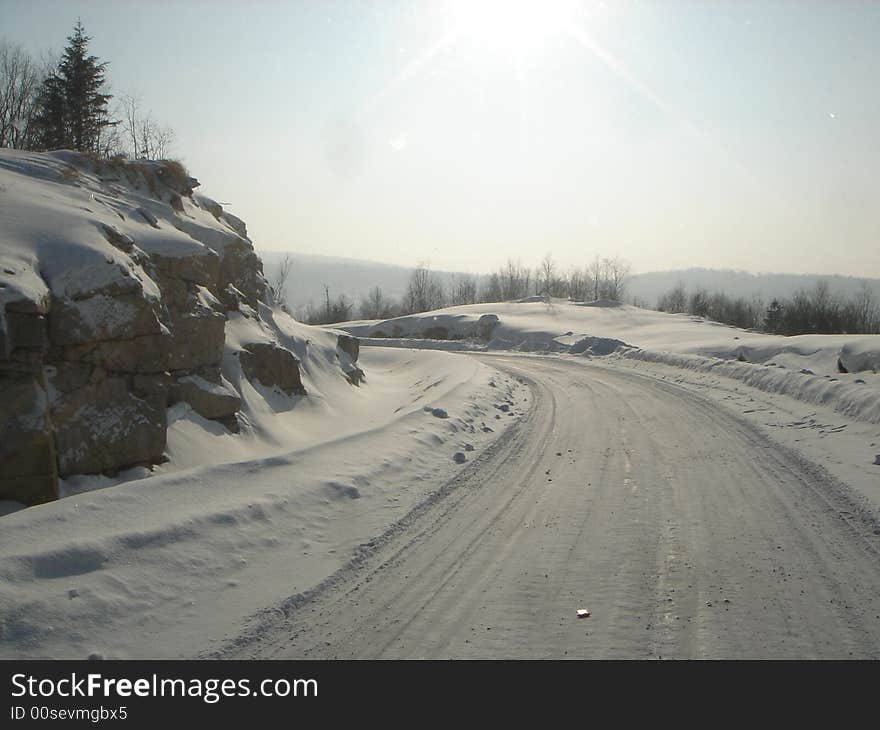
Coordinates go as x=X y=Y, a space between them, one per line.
x=512 y=26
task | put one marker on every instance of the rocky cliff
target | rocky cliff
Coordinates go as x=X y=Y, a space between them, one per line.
x=117 y=284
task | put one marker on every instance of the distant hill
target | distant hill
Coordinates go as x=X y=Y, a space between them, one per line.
x=650 y=286
x=355 y=277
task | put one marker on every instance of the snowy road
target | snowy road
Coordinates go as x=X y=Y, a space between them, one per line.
x=675 y=522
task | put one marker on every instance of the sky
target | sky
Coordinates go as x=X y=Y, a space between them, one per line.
x=724 y=134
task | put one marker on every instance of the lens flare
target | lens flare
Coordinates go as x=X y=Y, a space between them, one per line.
x=513 y=26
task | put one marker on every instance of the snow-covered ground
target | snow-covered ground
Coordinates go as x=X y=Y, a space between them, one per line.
x=845 y=444
x=181 y=559
x=168 y=566
x=692 y=519
x=791 y=387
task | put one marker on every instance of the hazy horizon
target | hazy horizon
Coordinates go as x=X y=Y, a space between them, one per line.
x=355 y=278
x=734 y=135
x=532 y=261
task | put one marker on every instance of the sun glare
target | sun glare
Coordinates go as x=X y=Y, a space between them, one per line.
x=512 y=26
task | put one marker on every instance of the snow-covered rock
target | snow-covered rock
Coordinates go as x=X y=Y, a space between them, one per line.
x=117 y=283
x=596 y=346
x=272 y=366
x=860 y=356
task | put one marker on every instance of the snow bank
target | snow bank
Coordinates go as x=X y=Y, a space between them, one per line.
x=807 y=367
x=536 y=324
x=857 y=398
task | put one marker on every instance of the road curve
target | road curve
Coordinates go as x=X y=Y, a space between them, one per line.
x=679 y=526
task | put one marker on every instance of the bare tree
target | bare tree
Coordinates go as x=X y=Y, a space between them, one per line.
x=156 y=140
x=138 y=135
x=675 y=300
x=375 y=305
x=865 y=305
x=492 y=290
x=578 y=284
x=594 y=272
x=462 y=289
x=614 y=270
x=719 y=307
x=547 y=274
x=417 y=289
x=424 y=291
x=332 y=310
x=20 y=79
x=515 y=280
x=279 y=282
x=328 y=309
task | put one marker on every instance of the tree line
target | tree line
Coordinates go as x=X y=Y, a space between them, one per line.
x=65 y=103
x=602 y=278
x=815 y=310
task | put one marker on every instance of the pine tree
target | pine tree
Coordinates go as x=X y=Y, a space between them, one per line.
x=73 y=111
x=50 y=121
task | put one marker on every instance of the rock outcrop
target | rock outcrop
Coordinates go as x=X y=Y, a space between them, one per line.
x=438 y=327
x=272 y=366
x=596 y=346
x=350 y=348
x=116 y=284
x=27 y=444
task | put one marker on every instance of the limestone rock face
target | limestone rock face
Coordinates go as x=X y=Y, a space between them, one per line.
x=103 y=427
x=102 y=316
x=28 y=468
x=22 y=332
x=349 y=345
x=111 y=313
x=197 y=340
x=200 y=267
x=242 y=268
x=119 y=286
x=210 y=400
x=272 y=366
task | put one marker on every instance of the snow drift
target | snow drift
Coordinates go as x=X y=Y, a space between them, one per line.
x=556 y=325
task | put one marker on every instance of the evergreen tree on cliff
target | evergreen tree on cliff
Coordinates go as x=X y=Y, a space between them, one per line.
x=72 y=109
